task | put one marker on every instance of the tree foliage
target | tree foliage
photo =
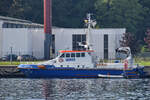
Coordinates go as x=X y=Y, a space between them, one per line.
x=23 y=9
x=130 y=14
x=129 y=40
x=5 y=6
x=71 y=13
x=119 y=13
x=147 y=38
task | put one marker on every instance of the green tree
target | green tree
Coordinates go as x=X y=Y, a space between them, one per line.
x=5 y=6
x=16 y=9
x=129 y=40
x=23 y=9
x=33 y=10
x=71 y=13
x=119 y=13
x=147 y=38
x=146 y=22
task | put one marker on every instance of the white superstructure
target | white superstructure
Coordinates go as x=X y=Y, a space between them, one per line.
x=75 y=59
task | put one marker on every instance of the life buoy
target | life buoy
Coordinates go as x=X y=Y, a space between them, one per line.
x=60 y=60
x=125 y=64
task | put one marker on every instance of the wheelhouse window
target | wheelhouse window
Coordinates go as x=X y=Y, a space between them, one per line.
x=67 y=55
x=82 y=54
x=62 y=56
x=77 y=54
x=72 y=54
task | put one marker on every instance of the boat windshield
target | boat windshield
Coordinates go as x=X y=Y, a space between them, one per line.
x=72 y=55
x=122 y=53
x=62 y=55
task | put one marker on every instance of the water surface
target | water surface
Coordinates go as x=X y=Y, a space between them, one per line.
x=74 y=89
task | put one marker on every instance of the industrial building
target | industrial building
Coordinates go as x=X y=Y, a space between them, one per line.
x=24 y=37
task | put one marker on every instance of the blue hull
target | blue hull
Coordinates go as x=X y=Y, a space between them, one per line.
x=68 y=73
x=33 y=71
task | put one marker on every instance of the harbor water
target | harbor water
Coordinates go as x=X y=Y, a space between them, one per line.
x=74 y=89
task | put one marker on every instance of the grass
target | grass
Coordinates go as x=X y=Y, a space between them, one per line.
x=142 y=62
x=18 y=62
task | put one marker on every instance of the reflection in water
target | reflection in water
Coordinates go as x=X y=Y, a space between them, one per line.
x=18 y=89
x=96 y=89
x=67 y=89
x=74 y=89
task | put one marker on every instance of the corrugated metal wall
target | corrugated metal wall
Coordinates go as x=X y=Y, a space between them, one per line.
x=31 y=41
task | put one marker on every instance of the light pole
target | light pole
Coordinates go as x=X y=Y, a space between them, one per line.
x=11 y=54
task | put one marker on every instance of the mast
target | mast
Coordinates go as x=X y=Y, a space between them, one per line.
x=89 y=23
x=88 y=32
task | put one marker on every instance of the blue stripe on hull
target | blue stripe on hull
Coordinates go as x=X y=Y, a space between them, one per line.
x=68 y=73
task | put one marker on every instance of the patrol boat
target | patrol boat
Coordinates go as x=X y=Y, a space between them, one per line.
x=81 y=64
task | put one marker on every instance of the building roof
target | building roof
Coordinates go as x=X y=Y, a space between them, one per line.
x=13 y=19
x=18 y=21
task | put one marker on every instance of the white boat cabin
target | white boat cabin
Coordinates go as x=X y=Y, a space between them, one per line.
x=76 y=59
x=84 y=59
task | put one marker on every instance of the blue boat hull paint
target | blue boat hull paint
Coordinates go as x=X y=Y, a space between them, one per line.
x=68 y=73
x=33 y=71
x=135 y=73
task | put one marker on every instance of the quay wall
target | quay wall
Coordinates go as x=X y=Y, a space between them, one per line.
x=10 y=71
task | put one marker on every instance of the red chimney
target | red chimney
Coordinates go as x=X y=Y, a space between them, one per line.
x=47 y=28
x=47 y=17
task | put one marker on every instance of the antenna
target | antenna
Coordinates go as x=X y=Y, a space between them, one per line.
x=89 y=23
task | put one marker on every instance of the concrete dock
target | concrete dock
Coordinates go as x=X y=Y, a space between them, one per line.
x=10 y=71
